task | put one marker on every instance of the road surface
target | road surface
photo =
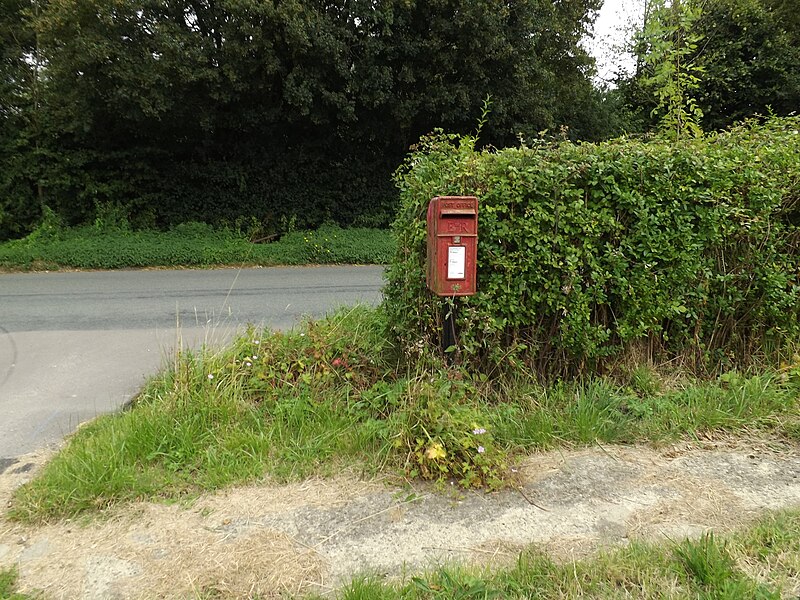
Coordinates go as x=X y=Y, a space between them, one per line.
x=75 y=345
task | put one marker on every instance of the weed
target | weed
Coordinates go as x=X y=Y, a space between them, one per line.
x=705 y=560
x=367 y=588
x=456 y=585
x=445 y=435
x=644 y=381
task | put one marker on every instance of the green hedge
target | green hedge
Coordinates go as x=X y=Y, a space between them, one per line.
x=191 y=244
x=589 y=252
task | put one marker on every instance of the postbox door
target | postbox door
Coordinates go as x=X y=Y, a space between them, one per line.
x=456 y=265
x=453 y=245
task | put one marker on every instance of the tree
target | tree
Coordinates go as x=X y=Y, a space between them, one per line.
x=218 y=109
x=19 y=207
x=440 y=59
x=669 y=43
x=751 y=65
x=745 y=58
x=786 y=14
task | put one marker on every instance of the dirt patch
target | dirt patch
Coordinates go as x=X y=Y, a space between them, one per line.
x=315 y=535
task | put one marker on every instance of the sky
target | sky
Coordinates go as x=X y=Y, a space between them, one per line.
x=613 y=27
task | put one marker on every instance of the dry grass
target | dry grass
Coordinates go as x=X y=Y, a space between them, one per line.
x=252 y=540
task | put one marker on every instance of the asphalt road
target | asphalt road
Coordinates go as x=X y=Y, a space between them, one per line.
x=75 y=345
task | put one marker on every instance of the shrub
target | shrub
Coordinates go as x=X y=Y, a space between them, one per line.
x=439 y=424
x=588 y=252
x=113 y=245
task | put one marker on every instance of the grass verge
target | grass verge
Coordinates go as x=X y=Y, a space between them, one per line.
x=332 y=394
x=761 y=562
x=8 y=585
x=193 y=244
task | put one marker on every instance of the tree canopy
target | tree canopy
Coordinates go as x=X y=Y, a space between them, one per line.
x=18 y=200
x=284 y=109
x=745 y=57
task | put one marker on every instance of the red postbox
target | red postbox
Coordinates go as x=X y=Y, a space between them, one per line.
x=452 y=245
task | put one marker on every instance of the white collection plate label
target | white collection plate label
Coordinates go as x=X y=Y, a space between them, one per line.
x=456 y=262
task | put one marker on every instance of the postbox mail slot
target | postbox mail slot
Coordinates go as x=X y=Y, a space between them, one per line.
x=458 y=212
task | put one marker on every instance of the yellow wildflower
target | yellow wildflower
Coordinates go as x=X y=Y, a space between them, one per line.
x=435 y=451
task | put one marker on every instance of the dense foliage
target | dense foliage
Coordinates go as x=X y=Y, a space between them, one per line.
x=180 y=110
x=587 y=252
x=741 y=58
x=19 y=202
x=100 y=246
x=750 y=61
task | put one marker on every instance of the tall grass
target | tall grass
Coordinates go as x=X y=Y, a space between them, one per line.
x=333 y=394
x=530 y=416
